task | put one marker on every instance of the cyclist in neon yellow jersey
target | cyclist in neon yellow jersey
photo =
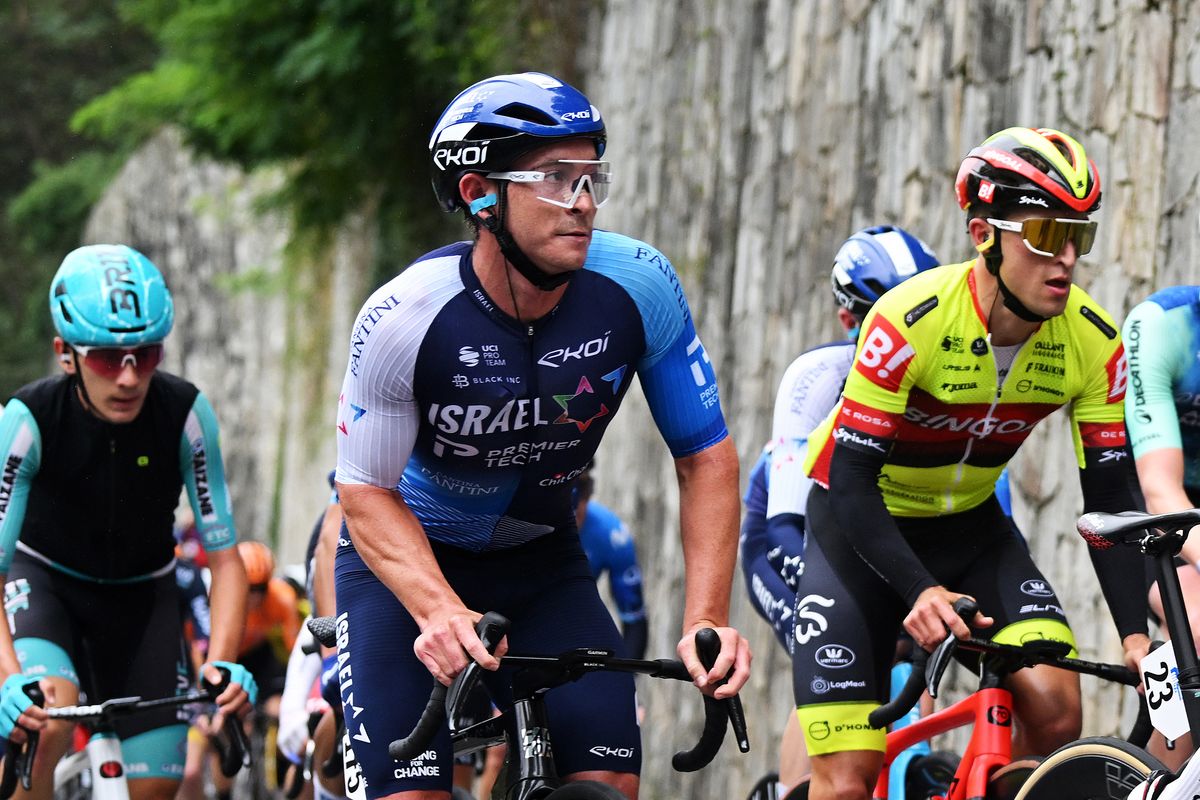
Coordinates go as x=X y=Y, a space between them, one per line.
x=953 y=369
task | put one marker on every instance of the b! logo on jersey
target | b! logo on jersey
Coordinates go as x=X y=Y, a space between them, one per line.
x=1118 y=375
x=885 y=355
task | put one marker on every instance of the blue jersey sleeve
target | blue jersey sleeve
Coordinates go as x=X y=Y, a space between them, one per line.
x=204 y=476
x=676 y=374
x=612 y=548
x=21 y=445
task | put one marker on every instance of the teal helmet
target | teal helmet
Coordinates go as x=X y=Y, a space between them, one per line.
x=110 y=295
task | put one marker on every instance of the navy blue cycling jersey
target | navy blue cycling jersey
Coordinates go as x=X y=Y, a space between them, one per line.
x=483 y=422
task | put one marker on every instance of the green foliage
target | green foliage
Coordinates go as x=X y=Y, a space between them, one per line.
x=343 y=91
x=50 y=213
x=54 y=55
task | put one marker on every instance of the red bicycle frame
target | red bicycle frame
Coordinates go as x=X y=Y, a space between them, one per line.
x=990 y=747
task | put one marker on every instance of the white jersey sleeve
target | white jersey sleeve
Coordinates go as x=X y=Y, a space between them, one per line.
x=810 y=388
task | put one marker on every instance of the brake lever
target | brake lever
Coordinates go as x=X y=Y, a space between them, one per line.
x=966 y=608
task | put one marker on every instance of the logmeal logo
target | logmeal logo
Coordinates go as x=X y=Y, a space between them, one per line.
x=468 y=356
x=821 y=685
x=834 y=656
x=1036 y=588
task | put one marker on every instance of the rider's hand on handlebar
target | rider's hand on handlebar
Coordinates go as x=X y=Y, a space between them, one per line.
x=1137 y=647
x=448 y=642
x=933 y=613
x=17 y=711
x=238 y=697
x=735 y=655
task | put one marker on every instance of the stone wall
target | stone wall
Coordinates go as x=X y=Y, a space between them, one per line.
x=750 y=137
x=263 y=335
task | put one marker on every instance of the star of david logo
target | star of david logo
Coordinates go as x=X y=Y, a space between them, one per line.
x=577 y=408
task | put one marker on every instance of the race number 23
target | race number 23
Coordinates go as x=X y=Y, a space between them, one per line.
x=1160 y=674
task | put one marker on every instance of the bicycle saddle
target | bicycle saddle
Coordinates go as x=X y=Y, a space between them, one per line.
x=1102 y=530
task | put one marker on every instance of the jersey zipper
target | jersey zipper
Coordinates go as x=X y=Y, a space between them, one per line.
x=960 y=468
x=112 y=497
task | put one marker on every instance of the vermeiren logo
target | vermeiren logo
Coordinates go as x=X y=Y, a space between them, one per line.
x=834 y=656
x=1036 y=589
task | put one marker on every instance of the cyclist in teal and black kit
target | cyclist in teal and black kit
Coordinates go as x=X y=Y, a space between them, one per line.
x=95 y=460
x=479 y=383
x=1162 y=415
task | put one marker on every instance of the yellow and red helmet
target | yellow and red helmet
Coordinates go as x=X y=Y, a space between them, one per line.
x=258 y=560
x=1028 y=168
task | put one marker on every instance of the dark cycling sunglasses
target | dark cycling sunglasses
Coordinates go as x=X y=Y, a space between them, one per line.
x=109 y=362
x=1047 y=236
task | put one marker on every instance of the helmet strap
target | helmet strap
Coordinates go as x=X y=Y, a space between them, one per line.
x=992 y=259
x=494 y=223
x=77 y=379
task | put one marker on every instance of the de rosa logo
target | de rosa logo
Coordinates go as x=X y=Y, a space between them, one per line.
x=834 y=656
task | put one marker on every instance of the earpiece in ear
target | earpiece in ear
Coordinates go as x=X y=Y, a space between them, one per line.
x=986 y=245
x=64 y=358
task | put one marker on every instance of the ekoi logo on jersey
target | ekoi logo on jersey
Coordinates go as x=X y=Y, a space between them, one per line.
x=885 y=355
x=1118 y=375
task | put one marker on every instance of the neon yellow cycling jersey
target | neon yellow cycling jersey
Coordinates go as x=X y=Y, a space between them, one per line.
x=924 y=390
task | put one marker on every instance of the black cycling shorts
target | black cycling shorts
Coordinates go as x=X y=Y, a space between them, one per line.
x=847 y=618
x=546 y=590
x=111 y=640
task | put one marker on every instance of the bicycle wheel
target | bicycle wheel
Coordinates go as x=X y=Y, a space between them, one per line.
x=1096 y=768
x=930 y=775
x=765 y=789
x=1006 y=782
x=585 y=790
x=799 y=791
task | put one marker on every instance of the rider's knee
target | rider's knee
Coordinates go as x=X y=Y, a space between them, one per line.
x=846 y=776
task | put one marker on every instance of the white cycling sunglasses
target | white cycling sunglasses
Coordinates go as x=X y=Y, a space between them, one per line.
x=561 y=185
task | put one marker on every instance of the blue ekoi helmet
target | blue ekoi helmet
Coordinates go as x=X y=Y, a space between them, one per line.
x=110 y=295
x=874 y=260
x=496 y=121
